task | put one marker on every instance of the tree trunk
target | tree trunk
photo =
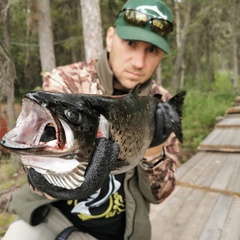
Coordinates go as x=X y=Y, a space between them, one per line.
x=208 y=53
x=92 y=28
x=45 y=35
x=8 y=72
x=234 y=49
x=198 y=70
x=181 y=39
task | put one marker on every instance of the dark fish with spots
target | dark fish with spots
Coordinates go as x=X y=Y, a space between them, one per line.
x=56 y=133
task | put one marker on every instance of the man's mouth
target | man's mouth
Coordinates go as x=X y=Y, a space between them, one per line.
x=133 y=75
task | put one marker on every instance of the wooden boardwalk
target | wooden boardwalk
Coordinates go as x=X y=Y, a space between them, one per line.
x=206 y=202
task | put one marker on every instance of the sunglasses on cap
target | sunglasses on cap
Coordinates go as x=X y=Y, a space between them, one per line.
x=136 y=18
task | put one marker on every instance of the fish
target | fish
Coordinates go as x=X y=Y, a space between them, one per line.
x=56 y=134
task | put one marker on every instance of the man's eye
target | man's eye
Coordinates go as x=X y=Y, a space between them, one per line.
x=130 y=43
x=152 y=49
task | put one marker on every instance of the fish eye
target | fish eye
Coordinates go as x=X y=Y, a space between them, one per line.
x=73 y=116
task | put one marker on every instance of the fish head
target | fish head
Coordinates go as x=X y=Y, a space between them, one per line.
x=52 y=124
x=54 y=139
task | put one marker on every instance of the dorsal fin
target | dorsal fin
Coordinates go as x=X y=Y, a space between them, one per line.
x=136 y=90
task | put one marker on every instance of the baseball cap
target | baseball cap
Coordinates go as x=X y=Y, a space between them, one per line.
x=145 y=20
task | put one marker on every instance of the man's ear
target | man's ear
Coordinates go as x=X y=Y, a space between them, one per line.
x=109 y=38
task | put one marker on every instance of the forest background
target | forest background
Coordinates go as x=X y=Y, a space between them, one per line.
x=204 y=57
x=37 y=35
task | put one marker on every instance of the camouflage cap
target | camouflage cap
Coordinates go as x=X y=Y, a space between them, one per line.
x=154 y=9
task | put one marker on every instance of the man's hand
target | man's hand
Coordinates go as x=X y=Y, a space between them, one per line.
x=167 y=120
x=100 y=165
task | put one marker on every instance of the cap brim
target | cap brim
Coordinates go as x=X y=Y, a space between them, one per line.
x=141 y=34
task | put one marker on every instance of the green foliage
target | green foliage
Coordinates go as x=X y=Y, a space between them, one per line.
x=5 y=220
x=11 y=176
x=201 y=108
x=209 y=48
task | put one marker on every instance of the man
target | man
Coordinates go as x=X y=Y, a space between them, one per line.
x=134 y=48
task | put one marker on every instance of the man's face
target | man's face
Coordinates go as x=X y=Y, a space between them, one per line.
x=131 y=61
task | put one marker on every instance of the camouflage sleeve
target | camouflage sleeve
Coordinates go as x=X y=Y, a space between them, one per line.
x=73 y=78
x=161 y=169
x=161 y=162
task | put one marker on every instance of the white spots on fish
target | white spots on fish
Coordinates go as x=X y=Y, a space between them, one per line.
x=44 y=105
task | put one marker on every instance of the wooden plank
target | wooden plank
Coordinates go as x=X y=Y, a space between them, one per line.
x=222 y=139
x=155 y=208
x=199 y=169
x=215 y=163
x=162 y=215
x=222 y=178
x=231 y=229
x=236 y=115
x=216 y=171
x=214 y=225
x=228 y=123
x=192 y=162
x=237 y=103
x=234 y=179
x=192 y=230
x=212 y=137
x=237 y=99
x=180 y=220
x=233 y=110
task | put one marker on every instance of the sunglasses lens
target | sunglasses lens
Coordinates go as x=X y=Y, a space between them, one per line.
x=161 y=27
x=135 y=18
x=139 y=19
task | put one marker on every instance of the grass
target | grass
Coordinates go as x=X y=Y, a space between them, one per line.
x=11 y=175
x=201 y=109
x=200 y=113
x=5 y=220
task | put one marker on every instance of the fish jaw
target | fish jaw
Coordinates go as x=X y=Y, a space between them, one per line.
x=67 y=174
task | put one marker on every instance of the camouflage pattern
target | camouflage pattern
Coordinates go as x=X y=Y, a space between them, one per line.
x=74 y=78
x=82 y=77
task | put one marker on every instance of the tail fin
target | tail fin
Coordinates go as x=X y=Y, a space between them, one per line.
x=177 y=103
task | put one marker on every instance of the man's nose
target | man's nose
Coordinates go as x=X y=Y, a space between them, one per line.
x=138 y=59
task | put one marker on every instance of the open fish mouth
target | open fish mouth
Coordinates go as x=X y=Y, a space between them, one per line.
x=37 y=130
x=42 y=142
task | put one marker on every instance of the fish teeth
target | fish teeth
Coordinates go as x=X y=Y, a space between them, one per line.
x=69 y=181
x=74 y=181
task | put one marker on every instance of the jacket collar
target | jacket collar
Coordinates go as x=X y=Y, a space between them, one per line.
x=106 y=76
